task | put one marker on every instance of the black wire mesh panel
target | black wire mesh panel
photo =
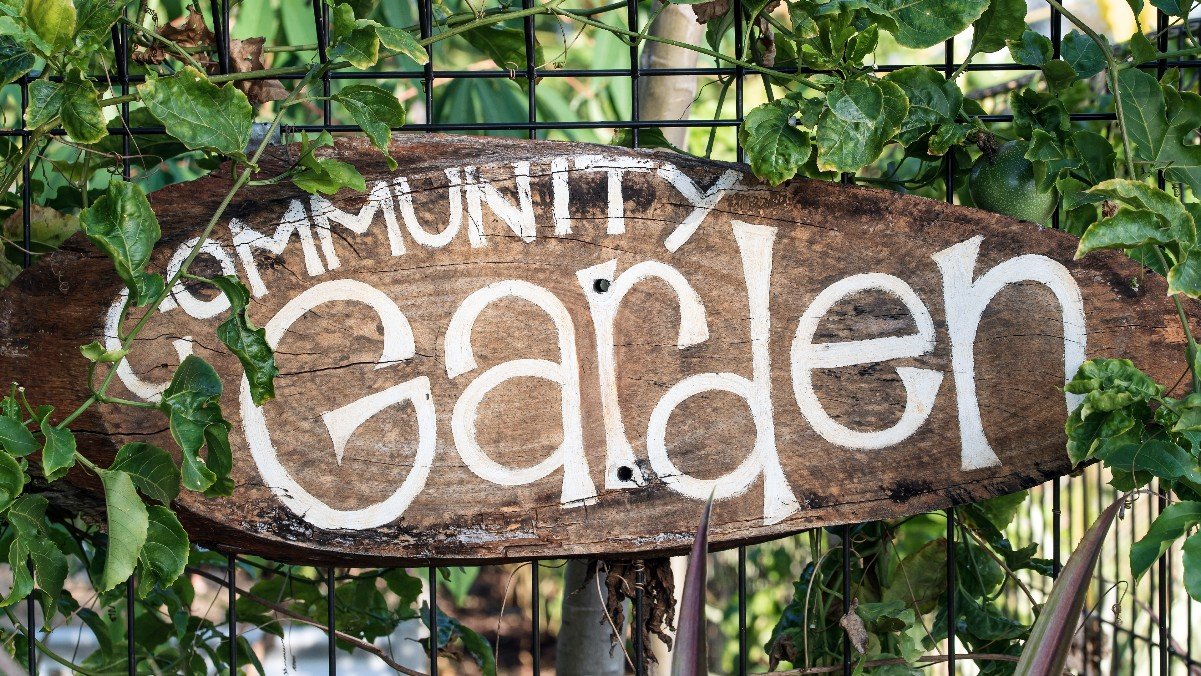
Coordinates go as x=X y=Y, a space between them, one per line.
x=1150 y=626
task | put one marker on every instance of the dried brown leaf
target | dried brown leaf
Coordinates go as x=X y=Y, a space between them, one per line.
x=191 y=31
x=852 y=624
x=246 y=56
x=707 y=11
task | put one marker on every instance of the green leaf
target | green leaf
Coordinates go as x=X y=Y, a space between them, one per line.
x=1031 y=49
x=185 y=102
x=15 y=60
x=16 y=438
x=12 y=481
x=354 y=40
x=1185 y=276
x=648 y=137
x=1172 y=523
x=128 y=523
x=94 y=22
x=1176 y=8
x=933 y=101
x=96 y=352
x=1161 y=121
x=1156 y=455
x=1001 y=511
x=861 y=116
x=52 y=20
x=1004 y=20
x=449 y=629
x=1141 y=49
x=505 y=46
x=923 y=23
x=1192 y=565
x=246 y=341
x=401 y=42
x=45 y=102
x=325 y=175
x=151 y=468
x=165 y=553
x=775 y=147
x=1059 y=75
x=192 y=403
x=375 y=110
x=81 y=115
x=58 y=453
x=1082 y=54
x=1126 y=229
x=1118 y=378
x=122 y=224
x=920 y=577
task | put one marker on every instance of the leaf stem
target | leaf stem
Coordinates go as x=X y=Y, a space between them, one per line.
x=1111 y=74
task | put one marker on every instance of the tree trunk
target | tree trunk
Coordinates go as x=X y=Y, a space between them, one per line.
x=585 y=640
x=670 y=97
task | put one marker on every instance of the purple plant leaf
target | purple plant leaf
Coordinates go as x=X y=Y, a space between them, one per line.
x=689 y=657
x=1046 y=650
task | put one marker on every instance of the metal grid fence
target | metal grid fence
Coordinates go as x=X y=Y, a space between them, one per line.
x=1148 y=630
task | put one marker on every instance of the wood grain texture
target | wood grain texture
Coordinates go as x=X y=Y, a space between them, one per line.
x=819 y=234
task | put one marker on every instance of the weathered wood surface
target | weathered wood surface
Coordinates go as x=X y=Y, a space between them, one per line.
x=782 y=455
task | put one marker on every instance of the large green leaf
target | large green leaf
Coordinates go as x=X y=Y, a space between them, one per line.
x=94 y=21
x=152 y=469
x=58 y=451
x=1172 y=523
x=52 y=20
x=1082 y=54
x=45 y=102
x=1192 y=565
x=1003 y=20
x=15 y=60
x=861 y=116
x=122 y=224
x=1161 y=121
x=933 y=101
x=165 y=553
x=246 y=341
x=81 y=114
x=16 y=438
x=354 y=40
x=401 y=42
x=1030 y=49
x=775 y=147
x=324 y=174
x=128 y=522
x=185 y=103
x=12 y=481
x=375 y=110
x=924 y=23
x=192 y=403
x=1146 y=215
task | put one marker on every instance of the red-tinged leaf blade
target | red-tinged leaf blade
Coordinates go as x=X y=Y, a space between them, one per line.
x=689 y=658
x=1050 y=639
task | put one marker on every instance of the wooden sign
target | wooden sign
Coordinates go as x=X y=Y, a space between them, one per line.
x=511 y=349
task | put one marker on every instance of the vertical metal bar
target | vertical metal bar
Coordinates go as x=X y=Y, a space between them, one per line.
x=231 y=613
x=743 y=657
x=846 y=594
x=1165 y=580
x=433 y=619
x=639 y=617
x=220 y=10
x=331 y=620
x=27 y=260
x=425 y=14
x=739 y=72
x=1056 y=517
x=321 y=21
x=121 y=45
x=536 y=617
x=530 y=77
x=952 y=588
x=632 y=21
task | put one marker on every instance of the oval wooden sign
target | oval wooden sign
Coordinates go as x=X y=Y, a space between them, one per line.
x=512 y=349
